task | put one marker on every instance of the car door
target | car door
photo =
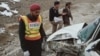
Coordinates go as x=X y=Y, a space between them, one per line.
x=93 y=45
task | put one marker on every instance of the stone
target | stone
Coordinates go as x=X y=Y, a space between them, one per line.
x=2 y=9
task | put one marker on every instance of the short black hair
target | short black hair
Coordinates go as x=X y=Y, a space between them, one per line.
x=68 y=3
x=56 y=2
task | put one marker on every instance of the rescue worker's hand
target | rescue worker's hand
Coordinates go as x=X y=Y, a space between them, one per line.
x=45 y=38
x=26 y=53
x=64 y=13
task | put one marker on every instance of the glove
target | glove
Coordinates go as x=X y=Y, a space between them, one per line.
x=44 y=43
x=45 y=38
x=26 y=53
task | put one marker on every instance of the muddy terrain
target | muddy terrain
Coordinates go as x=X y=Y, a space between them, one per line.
x=82 y=11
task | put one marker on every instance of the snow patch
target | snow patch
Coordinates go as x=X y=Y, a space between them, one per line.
x=14 y=11
x=16 y=0
x=6 y=13
x=4 y=5
x=2 y=30
x=11 y=34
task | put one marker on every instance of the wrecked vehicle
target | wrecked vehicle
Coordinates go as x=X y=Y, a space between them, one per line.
x=64 y=41
x=90 y=37
x=76 y=40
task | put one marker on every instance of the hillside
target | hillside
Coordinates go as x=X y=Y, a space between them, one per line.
x=82 y=11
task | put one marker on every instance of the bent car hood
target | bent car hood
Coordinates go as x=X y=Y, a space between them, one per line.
x=69 y=31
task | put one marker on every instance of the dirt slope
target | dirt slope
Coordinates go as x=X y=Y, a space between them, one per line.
x=82 y=10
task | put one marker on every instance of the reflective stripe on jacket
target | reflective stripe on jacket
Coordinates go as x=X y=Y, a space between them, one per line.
x=32 y=28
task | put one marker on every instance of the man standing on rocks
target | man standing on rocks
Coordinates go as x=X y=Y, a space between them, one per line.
x=68 y=15
x=53 y=12
x=31 y=31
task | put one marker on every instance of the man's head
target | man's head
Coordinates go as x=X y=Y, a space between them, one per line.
x=35 y=9
x=68 y=4
x=56 y=4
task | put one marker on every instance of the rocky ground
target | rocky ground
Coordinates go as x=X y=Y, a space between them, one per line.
x=82 y=10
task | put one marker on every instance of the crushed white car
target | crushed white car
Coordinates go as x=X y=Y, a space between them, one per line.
x=65 y=42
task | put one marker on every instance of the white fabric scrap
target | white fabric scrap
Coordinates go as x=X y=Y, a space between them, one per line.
x=57 y=19
x=26 y=53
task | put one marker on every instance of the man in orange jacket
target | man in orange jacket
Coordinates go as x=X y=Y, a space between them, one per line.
x=31 y=32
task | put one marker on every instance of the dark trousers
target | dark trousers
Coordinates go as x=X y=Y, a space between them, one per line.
x=34 y=47
x=66 y=21
x=55 y=26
